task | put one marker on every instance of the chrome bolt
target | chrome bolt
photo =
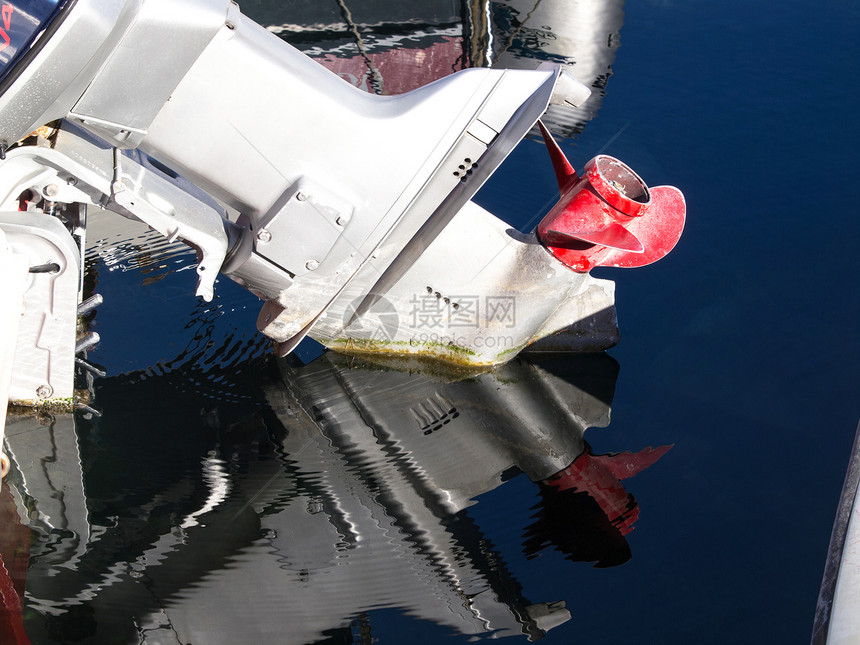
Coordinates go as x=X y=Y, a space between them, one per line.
x=51 y=190
x=310 y=265
x=264 y=236
x=301 y=197
x=44 y=391
x=71 y=181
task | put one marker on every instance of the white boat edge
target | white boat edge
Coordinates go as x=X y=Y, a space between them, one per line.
x=837 y=616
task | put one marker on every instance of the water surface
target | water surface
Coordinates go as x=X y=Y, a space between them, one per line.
x=222 y=497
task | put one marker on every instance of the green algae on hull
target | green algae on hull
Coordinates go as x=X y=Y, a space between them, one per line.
x=448 y=352
x=37 y=406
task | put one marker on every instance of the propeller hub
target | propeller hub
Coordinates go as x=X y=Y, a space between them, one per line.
x=618 y=185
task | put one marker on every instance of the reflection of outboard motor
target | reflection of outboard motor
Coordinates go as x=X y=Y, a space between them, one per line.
x=331 y=499
x=529 y=416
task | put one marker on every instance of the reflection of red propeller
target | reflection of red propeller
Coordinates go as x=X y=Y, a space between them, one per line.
x=600 y=476
x=609 y=216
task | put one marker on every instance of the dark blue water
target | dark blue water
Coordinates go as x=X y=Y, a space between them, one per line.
x=228 y=501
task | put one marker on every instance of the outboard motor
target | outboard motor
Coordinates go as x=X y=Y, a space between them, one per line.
x=349 y=214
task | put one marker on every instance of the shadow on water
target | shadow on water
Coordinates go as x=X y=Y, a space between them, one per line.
x=330 y=490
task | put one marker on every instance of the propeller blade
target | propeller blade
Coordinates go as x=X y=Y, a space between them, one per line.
x=628 y=464
x=658 y=231
x=612 y=235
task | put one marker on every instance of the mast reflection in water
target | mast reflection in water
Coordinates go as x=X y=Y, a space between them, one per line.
x=340 y=487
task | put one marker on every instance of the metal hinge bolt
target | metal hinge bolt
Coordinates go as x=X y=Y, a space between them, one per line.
x=44 y=391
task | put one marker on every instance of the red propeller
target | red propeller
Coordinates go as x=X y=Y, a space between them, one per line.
x=609 y=216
